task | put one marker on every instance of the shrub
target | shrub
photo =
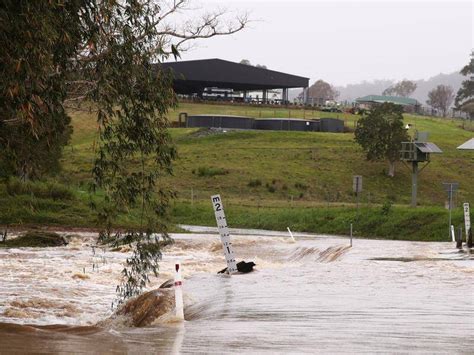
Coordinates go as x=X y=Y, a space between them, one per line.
x=254 y=183
x=301 y=186
x=204 y=171
x=35 y=239
x=271 y=188
x=387 y=207
x=39 y=189
x=392 y=197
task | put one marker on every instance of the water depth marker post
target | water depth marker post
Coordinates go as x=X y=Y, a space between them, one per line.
x=467 y=219
x=178 y=292
x=351 y=234
x=291 y=235
x=224 y=232
x=451 y=188
x=357 y=188
x=459 y=239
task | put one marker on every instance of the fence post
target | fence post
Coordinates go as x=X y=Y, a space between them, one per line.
x=178 y=293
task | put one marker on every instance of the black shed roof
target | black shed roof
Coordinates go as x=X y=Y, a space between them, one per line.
x=194 y=75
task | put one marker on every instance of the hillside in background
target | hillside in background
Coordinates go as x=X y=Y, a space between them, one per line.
x=424 y=86
x=269 y=179
x=352 y=91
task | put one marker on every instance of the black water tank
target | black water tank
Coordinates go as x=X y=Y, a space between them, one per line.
x=220 y=121
x=287 y=124
x=333 y=125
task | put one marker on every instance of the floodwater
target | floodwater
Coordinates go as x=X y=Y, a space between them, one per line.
x=315 y=295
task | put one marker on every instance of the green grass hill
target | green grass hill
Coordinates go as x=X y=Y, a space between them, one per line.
x=269 y=173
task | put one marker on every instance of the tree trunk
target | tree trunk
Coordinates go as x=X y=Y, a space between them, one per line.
x=391 y=168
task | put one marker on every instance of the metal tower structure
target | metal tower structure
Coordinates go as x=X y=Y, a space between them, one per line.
x=415 y=152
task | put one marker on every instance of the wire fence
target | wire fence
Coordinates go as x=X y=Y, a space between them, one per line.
x=245 y=196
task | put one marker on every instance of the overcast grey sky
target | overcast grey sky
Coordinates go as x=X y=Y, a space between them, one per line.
x=348 y=41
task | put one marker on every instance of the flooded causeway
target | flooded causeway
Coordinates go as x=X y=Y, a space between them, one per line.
x=316 y=295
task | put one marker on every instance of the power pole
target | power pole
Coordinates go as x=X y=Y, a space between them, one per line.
x=414 y=183
x=417 y=151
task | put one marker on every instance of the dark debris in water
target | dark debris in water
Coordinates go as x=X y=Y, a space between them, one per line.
x=243 y=267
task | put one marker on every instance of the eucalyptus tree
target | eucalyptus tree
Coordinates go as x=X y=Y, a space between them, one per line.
x=380 y=134
x=322 y=91
x=38 y=39
x=465 y=95
x=441 y=98
x=103 y=56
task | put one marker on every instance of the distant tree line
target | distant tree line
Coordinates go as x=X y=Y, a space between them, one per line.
x=403 y=89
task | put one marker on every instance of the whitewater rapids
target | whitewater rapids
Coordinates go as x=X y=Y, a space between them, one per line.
x=315 y=295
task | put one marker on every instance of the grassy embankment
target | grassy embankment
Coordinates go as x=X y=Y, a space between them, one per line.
x=274 y=179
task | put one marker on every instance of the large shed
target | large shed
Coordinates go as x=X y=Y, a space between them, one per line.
x=193 y=76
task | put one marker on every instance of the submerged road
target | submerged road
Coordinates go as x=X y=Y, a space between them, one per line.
x=315 y=295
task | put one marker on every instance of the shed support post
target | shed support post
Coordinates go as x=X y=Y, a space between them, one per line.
x=264 y=96
x=284 y=96
x=305 y=95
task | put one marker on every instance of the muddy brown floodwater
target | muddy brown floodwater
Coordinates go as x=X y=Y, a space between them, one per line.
x=316 y=295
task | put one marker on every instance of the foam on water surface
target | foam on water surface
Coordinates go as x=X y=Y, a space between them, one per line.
x=316 y=293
